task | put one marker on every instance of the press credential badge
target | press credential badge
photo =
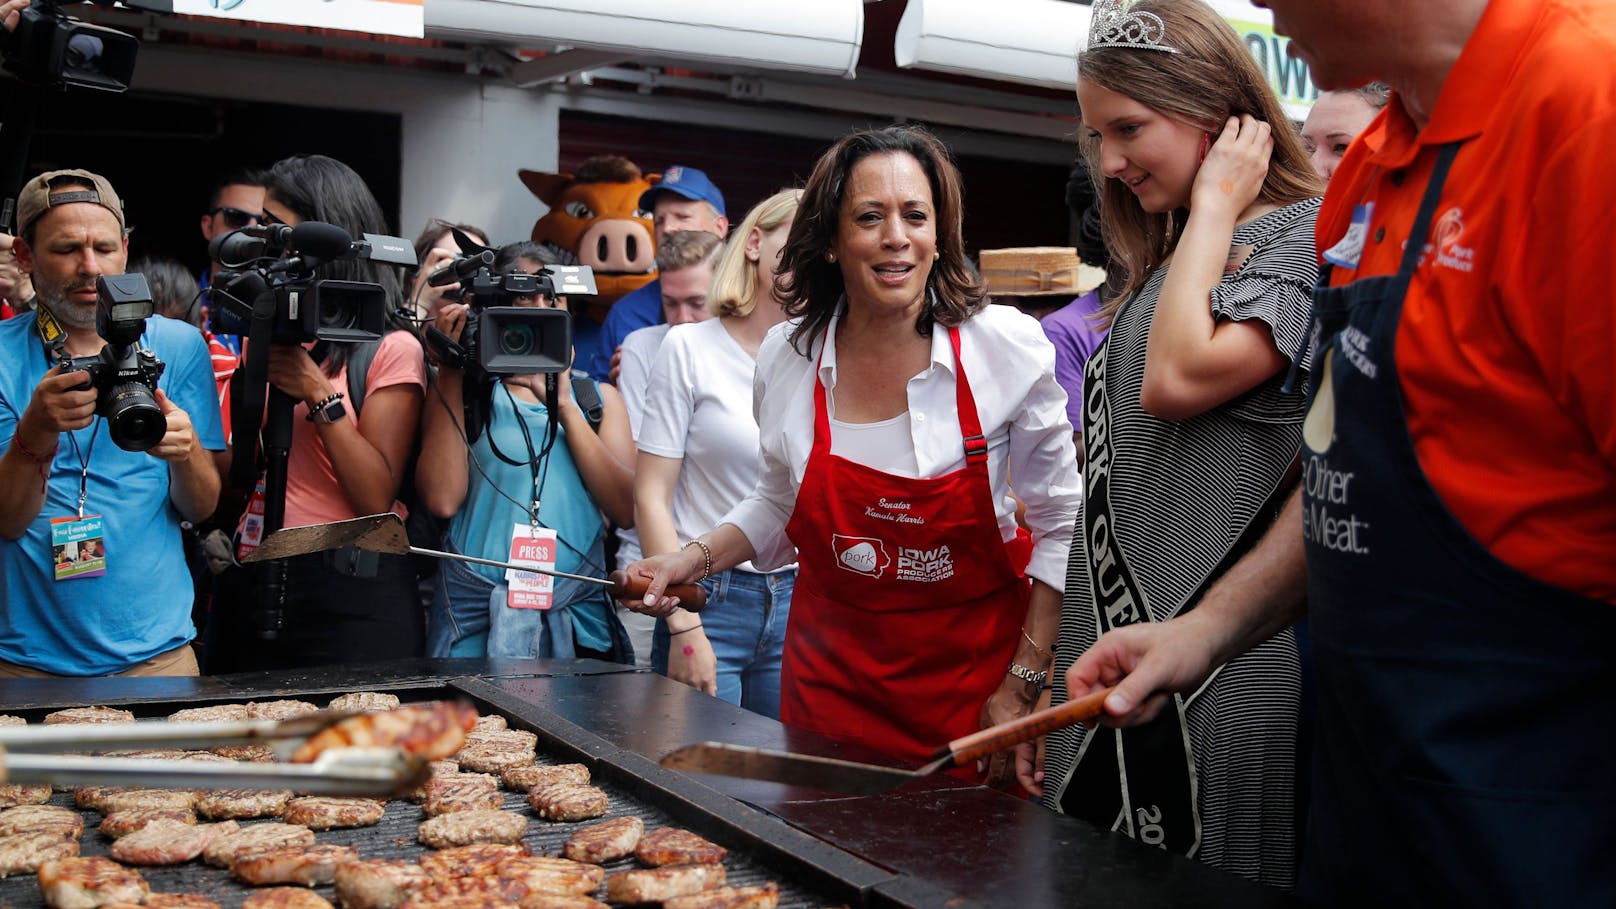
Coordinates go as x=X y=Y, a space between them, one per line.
x=78 y=547
x=528 y=589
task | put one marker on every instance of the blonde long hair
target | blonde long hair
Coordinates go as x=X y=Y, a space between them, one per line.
x=734 y=291
x=1212 y=78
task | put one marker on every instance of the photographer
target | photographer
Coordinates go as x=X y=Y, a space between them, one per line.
x=347 y=459
x=63 y=481
x=475 y=611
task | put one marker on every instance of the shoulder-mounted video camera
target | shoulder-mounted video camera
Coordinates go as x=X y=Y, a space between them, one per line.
x=501 y=338
x=281 y=260
x=50 y=48
x=124 y=374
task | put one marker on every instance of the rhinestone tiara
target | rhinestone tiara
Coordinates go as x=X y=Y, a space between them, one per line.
x=1112 y=25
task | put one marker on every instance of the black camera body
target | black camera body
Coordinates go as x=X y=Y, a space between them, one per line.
x=281 y=260
x=50 y=48
x=501 y=339
x=124 y=374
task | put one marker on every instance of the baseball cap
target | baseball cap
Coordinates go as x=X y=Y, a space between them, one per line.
x=687 y=182
x=37 y=197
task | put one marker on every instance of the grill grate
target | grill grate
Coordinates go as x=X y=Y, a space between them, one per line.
x=395 y=837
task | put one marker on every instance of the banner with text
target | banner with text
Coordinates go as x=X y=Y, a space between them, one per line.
x=406 y=18
x=1288 y=75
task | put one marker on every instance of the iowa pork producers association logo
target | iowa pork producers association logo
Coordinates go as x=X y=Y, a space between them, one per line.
x=861 y=555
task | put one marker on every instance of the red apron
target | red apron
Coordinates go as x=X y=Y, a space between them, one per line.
x=907 y=608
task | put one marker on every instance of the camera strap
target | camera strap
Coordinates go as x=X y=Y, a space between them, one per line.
x=247 y=409
x=50 y=334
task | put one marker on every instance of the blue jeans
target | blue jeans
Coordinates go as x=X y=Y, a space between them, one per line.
x=745 y=621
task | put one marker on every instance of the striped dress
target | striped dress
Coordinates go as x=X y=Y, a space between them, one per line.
x=1185 y=499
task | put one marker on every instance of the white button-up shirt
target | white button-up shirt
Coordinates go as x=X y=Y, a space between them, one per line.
x=1011 y=367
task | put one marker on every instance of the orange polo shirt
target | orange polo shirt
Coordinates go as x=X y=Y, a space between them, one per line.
x=1506 y=351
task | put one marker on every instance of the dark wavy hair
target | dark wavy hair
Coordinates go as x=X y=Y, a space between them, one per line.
x=319 y=188
x=811 y=286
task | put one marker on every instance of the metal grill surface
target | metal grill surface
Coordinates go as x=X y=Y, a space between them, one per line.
x=394 y=837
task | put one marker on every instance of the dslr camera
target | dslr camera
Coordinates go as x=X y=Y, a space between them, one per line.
x=282 y=260
x=124 y=373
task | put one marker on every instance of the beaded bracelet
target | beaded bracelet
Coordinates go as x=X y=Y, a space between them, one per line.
x=706 y=555
x=41 y=461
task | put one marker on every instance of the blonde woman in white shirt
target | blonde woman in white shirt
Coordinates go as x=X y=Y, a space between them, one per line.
x=698 y=458
x=891 y=415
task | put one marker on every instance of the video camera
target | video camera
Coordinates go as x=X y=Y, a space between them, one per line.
x=282 y=260
x=124 y=374
x=52 y=49
x=502 y=339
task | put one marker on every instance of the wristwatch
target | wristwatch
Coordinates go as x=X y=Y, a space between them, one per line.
x=328 y=410
x=1027 y=675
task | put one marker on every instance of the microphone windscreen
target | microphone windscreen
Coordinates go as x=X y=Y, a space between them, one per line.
x=320 y=240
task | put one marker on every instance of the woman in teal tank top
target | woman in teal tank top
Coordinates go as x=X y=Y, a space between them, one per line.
x=505 y=491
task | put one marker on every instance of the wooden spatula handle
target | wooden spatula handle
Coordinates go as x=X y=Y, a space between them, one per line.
x=692 y=597
x=997 y=738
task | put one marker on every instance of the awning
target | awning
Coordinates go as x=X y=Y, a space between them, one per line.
x=821 y=37
x=1033 y=42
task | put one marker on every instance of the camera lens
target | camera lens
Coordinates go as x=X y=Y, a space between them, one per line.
x=516 y=340
x=134 y=420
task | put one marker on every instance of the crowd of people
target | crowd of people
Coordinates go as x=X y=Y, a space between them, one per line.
x=1317 y=476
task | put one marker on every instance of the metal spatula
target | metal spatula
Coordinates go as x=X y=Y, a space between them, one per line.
x=385 y=533
x=870 y=779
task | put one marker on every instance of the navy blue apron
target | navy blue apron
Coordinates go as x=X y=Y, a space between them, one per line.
x=1466 y=712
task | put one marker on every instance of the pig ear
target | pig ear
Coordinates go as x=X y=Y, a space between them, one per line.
x=546 y=186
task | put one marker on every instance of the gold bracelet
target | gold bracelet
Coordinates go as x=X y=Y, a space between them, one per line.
x=706 y=556
x=1035 y=647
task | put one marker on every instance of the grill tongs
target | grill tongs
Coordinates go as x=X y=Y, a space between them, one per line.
x=35 y=754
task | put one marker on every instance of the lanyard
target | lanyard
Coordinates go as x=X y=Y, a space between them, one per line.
x=55 y=340
x=84 y=461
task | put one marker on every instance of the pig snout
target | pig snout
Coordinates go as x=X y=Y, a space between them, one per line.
x=618 y=245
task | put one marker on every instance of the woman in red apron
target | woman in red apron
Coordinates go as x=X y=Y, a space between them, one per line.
x=892 y=414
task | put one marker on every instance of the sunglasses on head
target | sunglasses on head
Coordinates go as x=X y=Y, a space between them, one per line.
x=236 y=218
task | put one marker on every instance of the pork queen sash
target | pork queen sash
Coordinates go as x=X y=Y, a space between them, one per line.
x=1140 y=780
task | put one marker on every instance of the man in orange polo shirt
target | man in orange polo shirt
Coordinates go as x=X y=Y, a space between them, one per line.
x=1458 y=500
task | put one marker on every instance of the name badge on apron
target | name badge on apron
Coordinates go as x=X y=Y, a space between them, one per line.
x=528 y=589
x=78 y=547
x=1346 y=253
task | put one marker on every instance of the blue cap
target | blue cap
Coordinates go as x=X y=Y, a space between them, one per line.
x=687 y=182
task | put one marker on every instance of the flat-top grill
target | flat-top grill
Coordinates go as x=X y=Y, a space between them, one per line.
x=809 y=873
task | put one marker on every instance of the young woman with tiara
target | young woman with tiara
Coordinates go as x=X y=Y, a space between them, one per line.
x=1190 y=437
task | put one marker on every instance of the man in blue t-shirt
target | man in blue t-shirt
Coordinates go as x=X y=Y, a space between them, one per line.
x=122 y=603
x=684 y=200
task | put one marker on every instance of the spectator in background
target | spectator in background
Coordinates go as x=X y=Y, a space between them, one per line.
x=435 y=247
x=685 y=199
x=1042 y=281
x=16 y=289
x=176 y=295
x=687 y=265
x=1336 y=119
x=237 y=201
x=699 y=458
